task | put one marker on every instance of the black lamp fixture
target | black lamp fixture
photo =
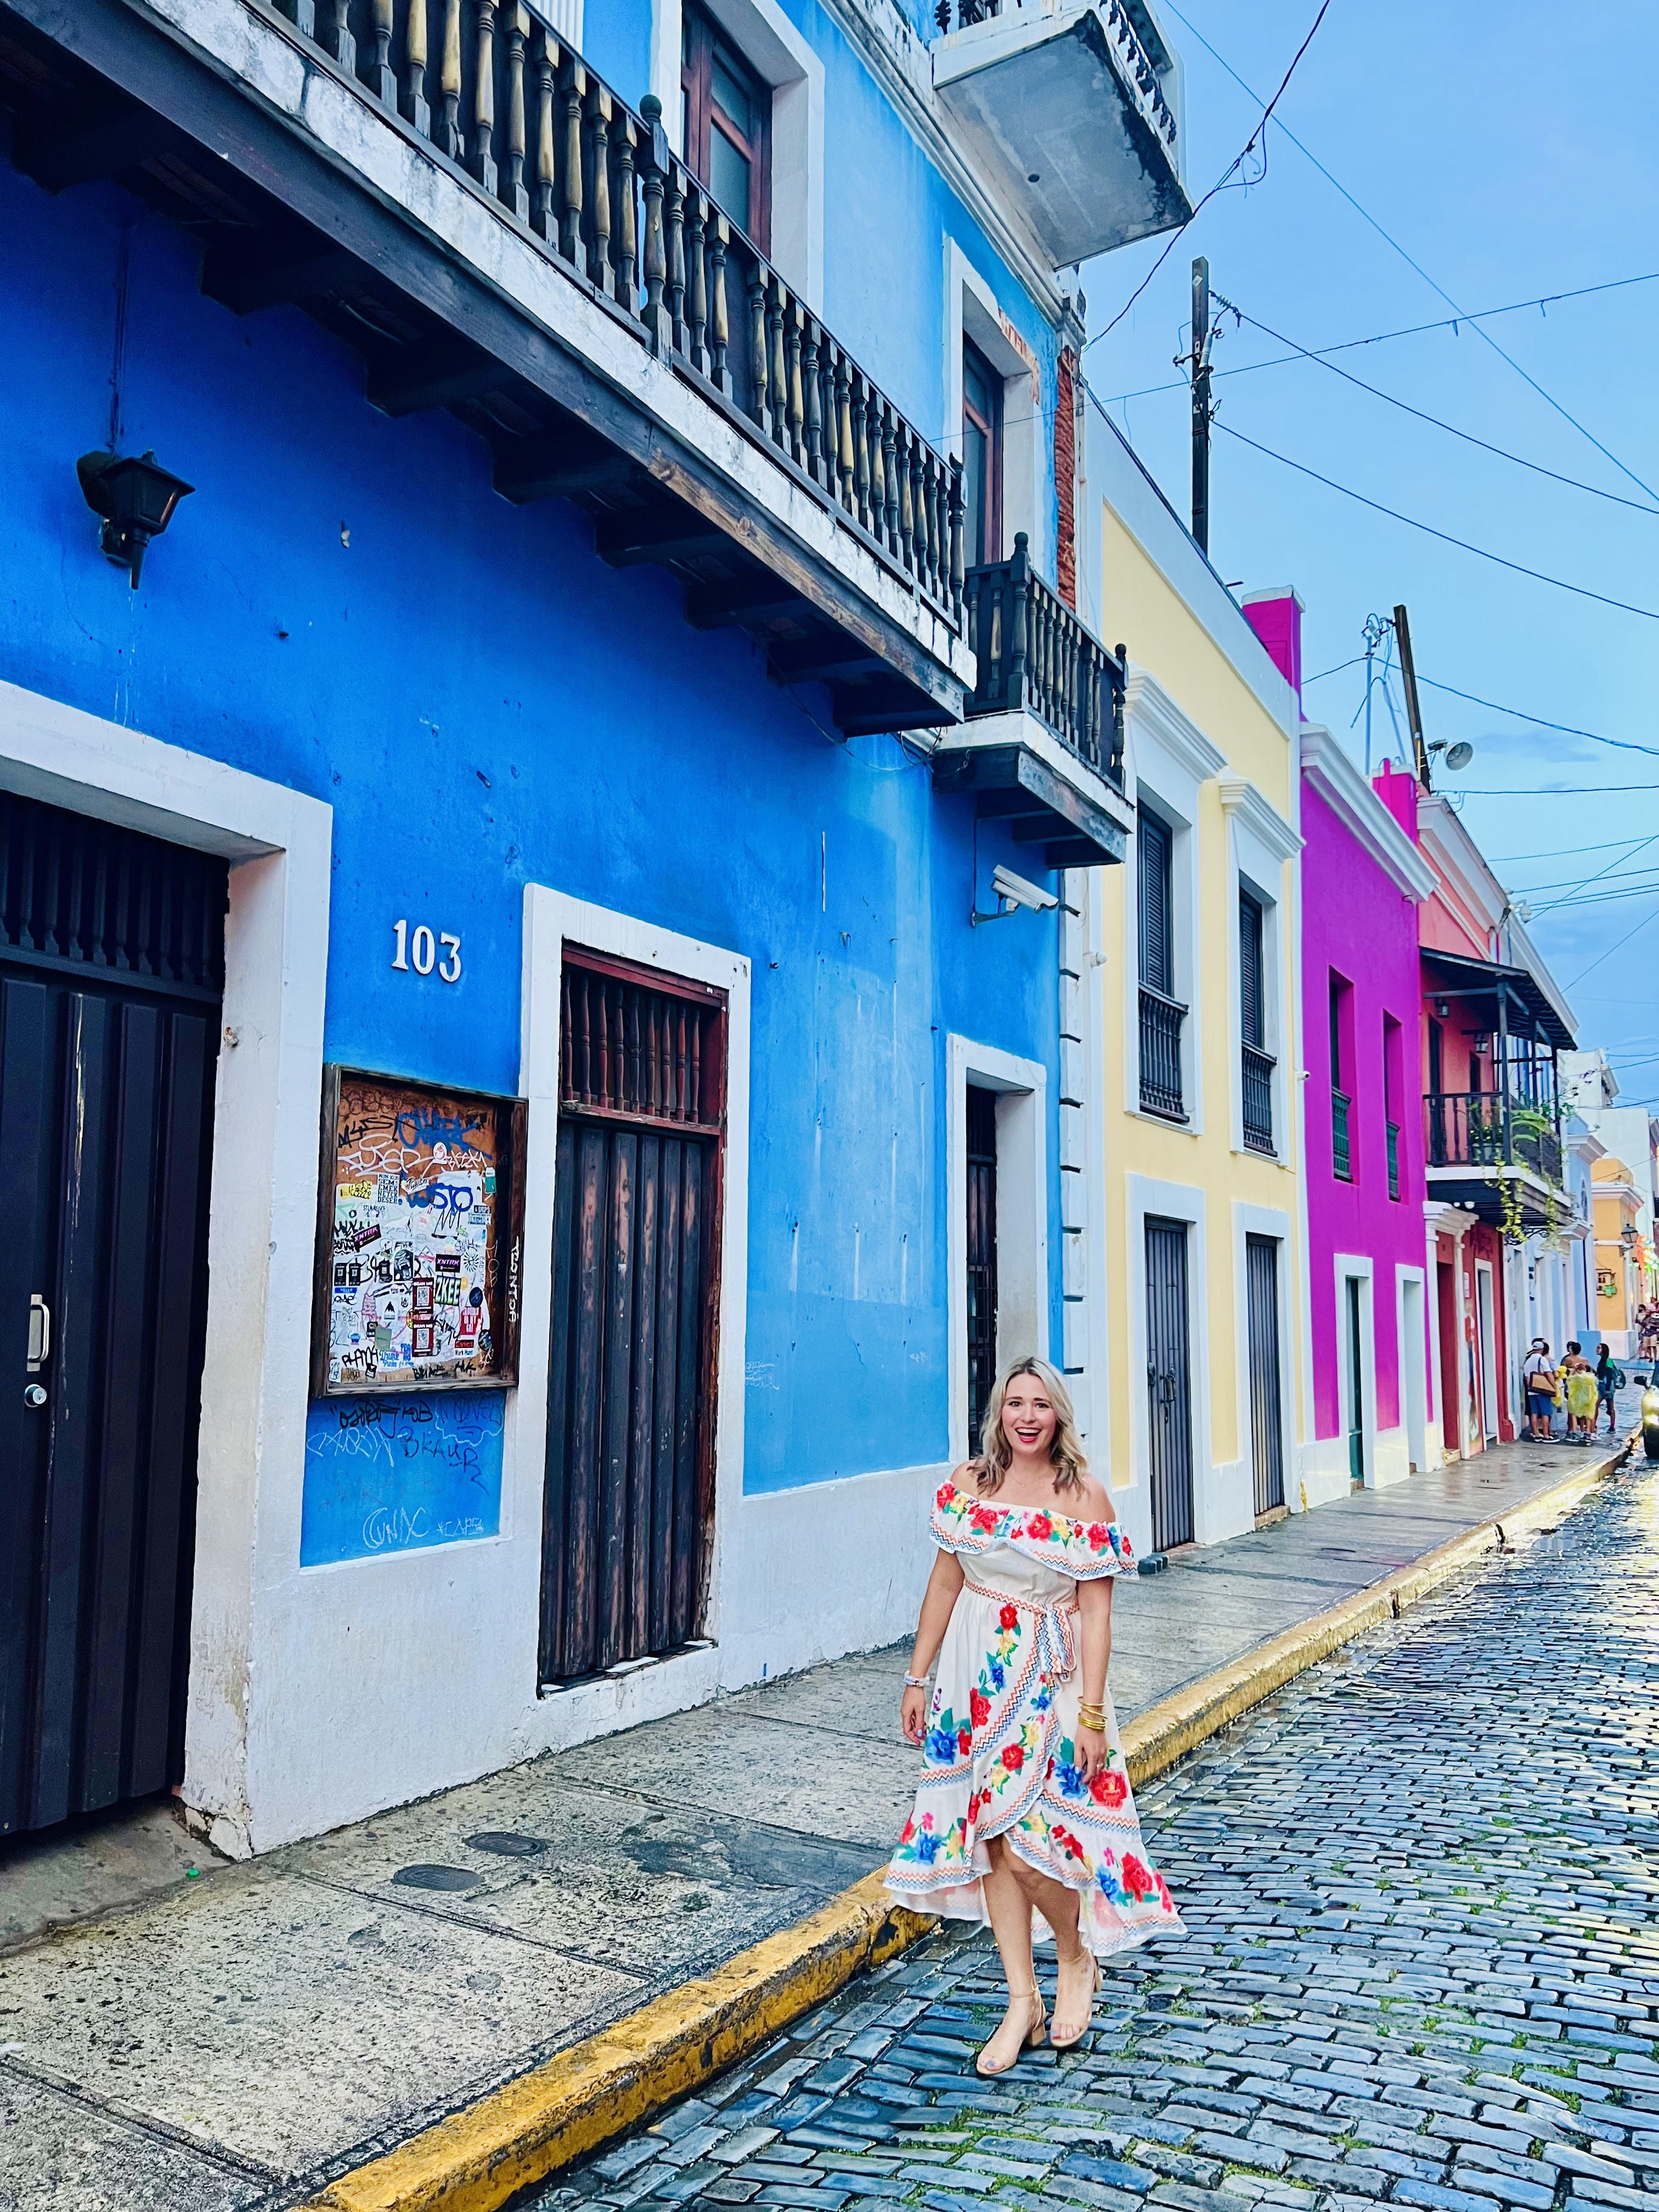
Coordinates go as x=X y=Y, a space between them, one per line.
x=135 y=497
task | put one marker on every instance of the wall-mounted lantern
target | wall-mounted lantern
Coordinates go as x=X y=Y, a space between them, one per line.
x=135 y=497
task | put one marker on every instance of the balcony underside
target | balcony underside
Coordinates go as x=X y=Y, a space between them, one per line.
x=105 y=90
x=1477 y=1190
x=1044 y=105
x=1019 y=775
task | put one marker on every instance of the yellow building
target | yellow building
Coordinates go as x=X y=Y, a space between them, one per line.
x=1199 y=1383
x=1620 y=1288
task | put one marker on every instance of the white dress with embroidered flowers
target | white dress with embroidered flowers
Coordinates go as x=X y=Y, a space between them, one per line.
x=1000 y=1756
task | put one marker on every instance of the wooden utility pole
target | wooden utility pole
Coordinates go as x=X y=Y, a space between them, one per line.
x=1200 y=366
x=1402 y=635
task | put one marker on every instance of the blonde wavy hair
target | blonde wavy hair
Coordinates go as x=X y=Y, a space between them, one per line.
x=1066 y=1451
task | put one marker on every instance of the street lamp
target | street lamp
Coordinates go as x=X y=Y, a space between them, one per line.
x=135 y=498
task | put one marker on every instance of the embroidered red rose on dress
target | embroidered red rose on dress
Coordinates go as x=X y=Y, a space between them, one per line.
x=1107 y=1790
x=1013 y=1757
x=1039 y=1524
x=1009 y=1616
x=979 y=1708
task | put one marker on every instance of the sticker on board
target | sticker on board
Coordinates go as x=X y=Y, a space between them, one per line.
x=419 y=1237
x=399 y=1474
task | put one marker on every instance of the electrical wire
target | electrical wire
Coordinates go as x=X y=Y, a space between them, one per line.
x=1559 y=853
x=1381 y=337
x=1388 y=239
x=1550 y=791
x=1515 y=568
x=1226 y=176
x=1516 y=714
x=1576 y=483
x=1619 y=947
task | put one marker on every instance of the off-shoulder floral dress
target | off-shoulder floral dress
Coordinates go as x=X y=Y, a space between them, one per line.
x=1000 y=1755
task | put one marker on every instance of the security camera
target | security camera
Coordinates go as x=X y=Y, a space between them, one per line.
x=1007 y=886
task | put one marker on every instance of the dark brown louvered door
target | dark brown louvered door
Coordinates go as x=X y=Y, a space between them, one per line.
x=981 y=1256
x=630 y=1466
x=111 y=968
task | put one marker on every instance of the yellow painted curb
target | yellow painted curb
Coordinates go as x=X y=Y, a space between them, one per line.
x=517 y=2136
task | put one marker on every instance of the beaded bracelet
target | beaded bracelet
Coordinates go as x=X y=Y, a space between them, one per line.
x=916 y=1681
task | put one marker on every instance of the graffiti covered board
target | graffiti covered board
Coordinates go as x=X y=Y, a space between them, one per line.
x=419 y=1237
x=390 y=1475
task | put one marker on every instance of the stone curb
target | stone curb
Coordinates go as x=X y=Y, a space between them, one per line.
x=518 y=2135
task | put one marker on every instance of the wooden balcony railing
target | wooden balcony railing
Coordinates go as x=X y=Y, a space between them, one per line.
x=1482 y=1128
x=1033 y=652
x=1161 y=1020
x=498 y=92
x=1258 y=1089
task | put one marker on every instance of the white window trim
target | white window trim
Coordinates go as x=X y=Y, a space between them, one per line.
x=971 y=312
x=1022 y=1212
x=1274 y=1222
x=1259 y=843
x=1351 y=1267
x=764 y=34
x=261 y=1209
x=1174 y=1201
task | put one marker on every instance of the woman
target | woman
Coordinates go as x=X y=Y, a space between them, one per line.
x=1538 y=1374
x=1024 y=1817
x=1610 y=1381
x=1578 y=1381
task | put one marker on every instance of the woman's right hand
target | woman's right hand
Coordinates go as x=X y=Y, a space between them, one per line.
x=912 y=1715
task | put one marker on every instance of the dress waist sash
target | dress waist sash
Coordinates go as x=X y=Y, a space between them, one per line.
x=1056 y=1645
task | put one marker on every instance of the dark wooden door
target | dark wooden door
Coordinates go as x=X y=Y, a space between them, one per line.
x=1169 y=1383
x=1356 y=1386
x=629 y=1488
x=1262 y=1321
x=112 y=966
x=981 y=1256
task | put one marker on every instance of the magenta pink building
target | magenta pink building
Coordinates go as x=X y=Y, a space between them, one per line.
x=1371 y=1292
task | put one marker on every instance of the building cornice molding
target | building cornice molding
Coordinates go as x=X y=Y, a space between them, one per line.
x=1147 y=701
x=1240 y=797
x=1347 y=791
x=903 y=68
x=1460 y=858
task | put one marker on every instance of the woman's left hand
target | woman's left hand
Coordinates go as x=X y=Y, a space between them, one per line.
x=1091 y=1752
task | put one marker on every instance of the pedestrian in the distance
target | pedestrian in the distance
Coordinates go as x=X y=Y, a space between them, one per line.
x=1024 y=1817
x=1579 y=1382
x=1609 y=1379
x=1537 y=1373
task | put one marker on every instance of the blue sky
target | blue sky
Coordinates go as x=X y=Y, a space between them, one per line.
x=1511 y=153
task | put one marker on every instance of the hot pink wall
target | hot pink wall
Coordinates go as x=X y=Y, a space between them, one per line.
x=1358 y=922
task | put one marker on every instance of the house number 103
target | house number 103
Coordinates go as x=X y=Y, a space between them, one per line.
x=418 y=949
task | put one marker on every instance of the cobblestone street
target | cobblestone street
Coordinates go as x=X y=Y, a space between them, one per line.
x=1421 y=1964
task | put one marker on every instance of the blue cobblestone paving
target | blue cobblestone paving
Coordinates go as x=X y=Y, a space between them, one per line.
x=1421 y=1890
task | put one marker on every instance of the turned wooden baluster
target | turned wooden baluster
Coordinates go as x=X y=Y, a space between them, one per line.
x=696 y=317
x=340 y=42
x=777 y=368
x=627 y=248
x=860 y=449
x=844 y=484
x=653 y=163
x=415 y=105
x=719 y=326
x=813 y=373
x=598 y=116
x=759 y=362
x=957 y=520
x=792 y=343
x=517 y=25
x=449 y=83
x=907 y=511
x=919 y=517
x=874 y=421
x=887 y=521
x=547 y=173
x=572 y=90
x=382 y=76
x=484 y=100
x=676 y=290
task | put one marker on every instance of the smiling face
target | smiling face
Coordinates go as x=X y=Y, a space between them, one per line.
x=1028 y=1420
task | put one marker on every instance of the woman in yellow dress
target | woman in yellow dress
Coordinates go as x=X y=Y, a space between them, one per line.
x=1024 y=1816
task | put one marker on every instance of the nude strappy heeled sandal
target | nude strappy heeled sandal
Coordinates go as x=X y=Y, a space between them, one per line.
x=1034 y=2034
x=1069 y=2042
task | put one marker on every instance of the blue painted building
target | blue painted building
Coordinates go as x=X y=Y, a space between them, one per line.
x=602 y=615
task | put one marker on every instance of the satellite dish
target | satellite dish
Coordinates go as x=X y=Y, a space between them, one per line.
x=1459 y=757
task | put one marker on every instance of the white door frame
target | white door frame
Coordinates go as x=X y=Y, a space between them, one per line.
x=1411 y=1301
x=1021 y=1211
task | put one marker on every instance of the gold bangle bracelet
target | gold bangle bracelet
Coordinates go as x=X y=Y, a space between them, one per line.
x=1092 y=1717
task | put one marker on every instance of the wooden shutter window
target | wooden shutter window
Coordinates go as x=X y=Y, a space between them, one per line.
x=726 y=112
x=1157 y=965
x=1249 y=970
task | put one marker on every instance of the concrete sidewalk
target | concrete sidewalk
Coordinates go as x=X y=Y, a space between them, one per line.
x=240 y=2035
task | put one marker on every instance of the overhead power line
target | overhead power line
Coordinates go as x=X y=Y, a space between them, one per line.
x=1515 y=714
x=1227 y=174
x=1381 y=337
x=1549 y=790
x=1482 y=552
x=1576 y=483
x=1365 y=214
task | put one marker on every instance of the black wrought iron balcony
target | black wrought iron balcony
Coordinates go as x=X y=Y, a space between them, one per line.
x=1161 y=1021
x=1257 y=1071
x=1484 y=1129
x=1342 y=1149
x=1035 y=653
x=449 y=187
